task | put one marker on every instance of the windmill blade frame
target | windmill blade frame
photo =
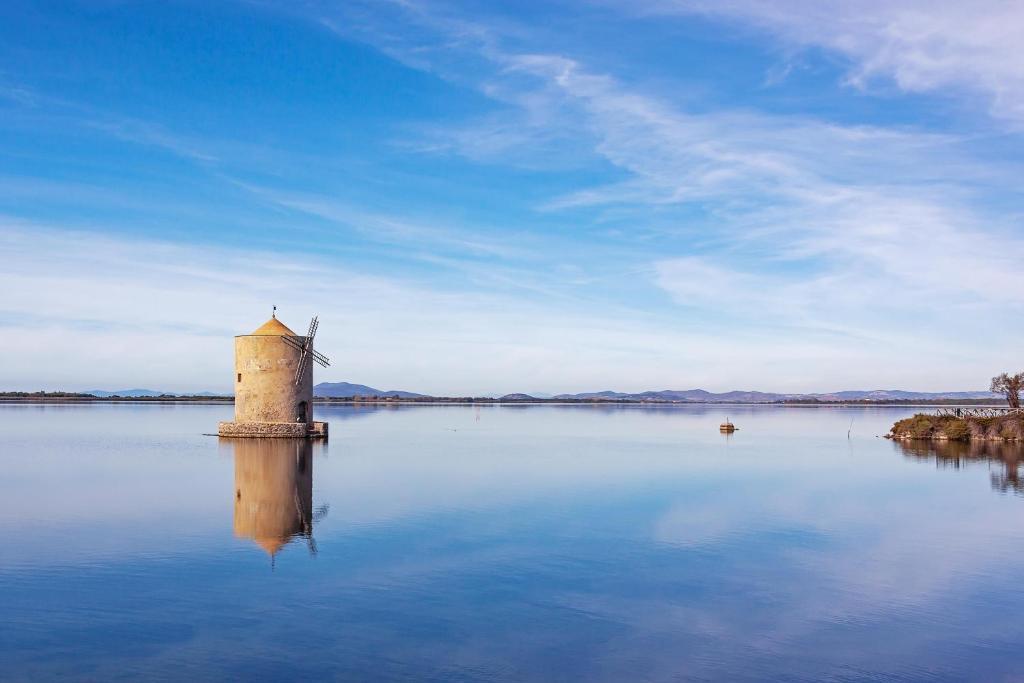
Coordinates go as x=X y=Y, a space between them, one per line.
x=295 y=342
x=305 y=346
x=301 y=367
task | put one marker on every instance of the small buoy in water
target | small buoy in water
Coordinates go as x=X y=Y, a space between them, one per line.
x=727 y=427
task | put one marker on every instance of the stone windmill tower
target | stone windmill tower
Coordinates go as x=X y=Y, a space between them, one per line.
x=274 y=383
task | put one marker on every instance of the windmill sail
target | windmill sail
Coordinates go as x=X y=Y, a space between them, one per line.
x=305 y=347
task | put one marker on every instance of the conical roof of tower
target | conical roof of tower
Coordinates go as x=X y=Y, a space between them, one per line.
x=273 y=327
x=272 y=545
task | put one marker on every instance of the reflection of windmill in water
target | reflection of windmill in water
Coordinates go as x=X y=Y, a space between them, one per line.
x=274 y=492
x=955 y=454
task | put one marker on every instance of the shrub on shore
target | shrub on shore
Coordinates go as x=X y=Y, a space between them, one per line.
x=947 y=428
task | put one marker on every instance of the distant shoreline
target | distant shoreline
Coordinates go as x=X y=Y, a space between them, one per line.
x=57 y=397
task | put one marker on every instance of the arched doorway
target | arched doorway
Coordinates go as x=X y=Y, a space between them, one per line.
x=300 y=412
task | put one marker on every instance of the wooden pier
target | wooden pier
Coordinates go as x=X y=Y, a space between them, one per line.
x=964 y=413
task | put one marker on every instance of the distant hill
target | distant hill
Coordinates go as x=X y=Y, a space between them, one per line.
x=101 y=393
x=136 y=393
x=348 y=390
x=702 y=396
x=345 y=390
x=897 y=394
x=694 y=395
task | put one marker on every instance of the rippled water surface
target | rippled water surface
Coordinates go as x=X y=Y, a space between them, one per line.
x=458 y=543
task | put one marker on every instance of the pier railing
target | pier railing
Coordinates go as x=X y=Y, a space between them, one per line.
x=979 y=412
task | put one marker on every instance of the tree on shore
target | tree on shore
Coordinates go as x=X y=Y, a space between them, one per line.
x=1009 y=386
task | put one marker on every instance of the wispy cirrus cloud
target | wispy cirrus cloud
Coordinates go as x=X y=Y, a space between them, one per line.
x=112 y=305
x=922 y=46
x=565 y=212
x=390 y=228
x=809 y=222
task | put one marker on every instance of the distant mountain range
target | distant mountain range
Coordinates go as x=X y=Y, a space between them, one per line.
x=347 y=390
x=702 y=396
x=137 y=393
x=325 y=389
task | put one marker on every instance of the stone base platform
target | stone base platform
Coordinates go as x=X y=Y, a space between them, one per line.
x=270 y=430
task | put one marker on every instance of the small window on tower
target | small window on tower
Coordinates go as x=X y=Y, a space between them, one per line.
x=239 y=377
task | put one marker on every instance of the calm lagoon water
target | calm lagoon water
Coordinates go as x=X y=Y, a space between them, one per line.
x=504 y=543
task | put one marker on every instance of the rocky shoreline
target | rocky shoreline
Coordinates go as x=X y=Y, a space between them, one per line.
x=950 y=428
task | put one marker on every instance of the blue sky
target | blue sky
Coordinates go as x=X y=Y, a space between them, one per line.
x=485 y=197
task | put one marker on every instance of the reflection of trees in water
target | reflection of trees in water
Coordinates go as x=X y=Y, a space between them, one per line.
x=1007 y=455
x=274 y=492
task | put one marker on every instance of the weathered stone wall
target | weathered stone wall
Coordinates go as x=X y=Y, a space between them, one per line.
x=273 y=430
x=285 y=430
x=265 y=388
x=318 y=430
